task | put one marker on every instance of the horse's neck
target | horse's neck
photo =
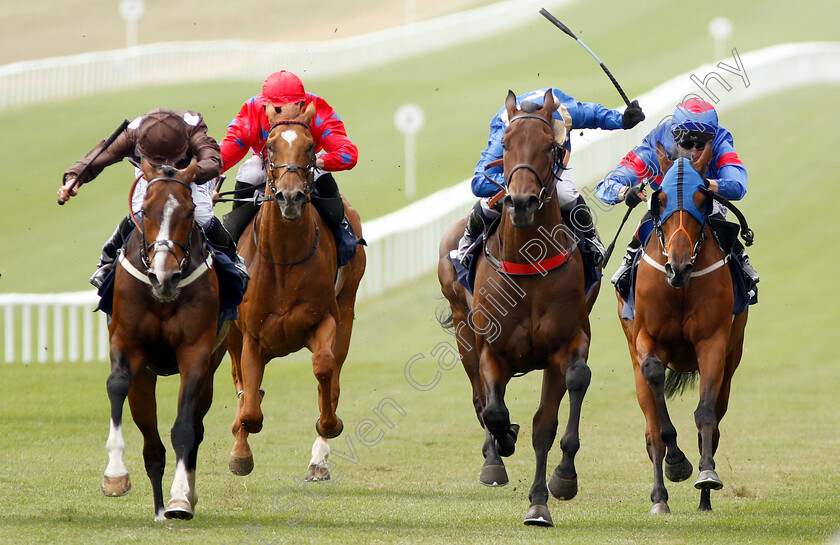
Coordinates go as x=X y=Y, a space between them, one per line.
x=545 y=235
x=285 y=239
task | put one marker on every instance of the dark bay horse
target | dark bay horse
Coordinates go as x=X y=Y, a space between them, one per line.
x=165 y=313
x=683 y=326
x=520 y=322
x=297 y=296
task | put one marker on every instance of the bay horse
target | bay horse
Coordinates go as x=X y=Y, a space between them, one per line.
x=516 y=321
x=165 y=315
x=684 y=326
x=297 y=296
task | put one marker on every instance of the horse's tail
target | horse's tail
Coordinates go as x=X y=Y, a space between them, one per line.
x=678 y=383
x=444 y=317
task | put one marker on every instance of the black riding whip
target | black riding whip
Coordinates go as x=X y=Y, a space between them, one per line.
x=105 y=146
x=609 y=251
x=565 y=29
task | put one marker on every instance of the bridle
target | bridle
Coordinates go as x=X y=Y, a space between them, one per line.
x=148 y=250
x=546 y=182
x=307 y=171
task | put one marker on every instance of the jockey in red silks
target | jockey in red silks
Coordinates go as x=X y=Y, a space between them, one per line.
x=693 y=126
x=249 y=130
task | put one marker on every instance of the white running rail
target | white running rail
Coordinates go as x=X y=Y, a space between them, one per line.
x=404 y=245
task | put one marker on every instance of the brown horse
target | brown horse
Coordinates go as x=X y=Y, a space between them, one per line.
x=517 y=323
x=683 y=326
x=297 y=296
x=165 y=312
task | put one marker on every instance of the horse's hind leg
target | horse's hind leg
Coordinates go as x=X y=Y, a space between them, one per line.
x=241 y=460
x=142 y=401
x=577 y=376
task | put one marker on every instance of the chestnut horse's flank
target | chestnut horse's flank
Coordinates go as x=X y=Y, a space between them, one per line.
x=165 y=314
x=516 y=323
x=297 y=297
x=684 y=323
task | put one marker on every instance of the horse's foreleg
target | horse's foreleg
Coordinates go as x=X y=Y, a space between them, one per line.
x=577 y=377
x=115 y=481
x=324 y=367
x=653 y=441
x=495 y=414
x=714 y=387
x=318 y=469
x=542 y=438
x=241 y=460
x=252 y=365
x=193 y=403
x=142 y=402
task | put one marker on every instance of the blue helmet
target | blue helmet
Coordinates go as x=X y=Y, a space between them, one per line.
x=694 y=118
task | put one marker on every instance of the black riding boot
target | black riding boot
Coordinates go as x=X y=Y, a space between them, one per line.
x=110 y=249
x=476 y=221
x=218 y=236
x=327 y=201
x=741 y=254
x=242 y=212
x=581 y=219
x=621 y=278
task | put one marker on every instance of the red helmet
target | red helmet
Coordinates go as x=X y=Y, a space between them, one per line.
x=283 y=87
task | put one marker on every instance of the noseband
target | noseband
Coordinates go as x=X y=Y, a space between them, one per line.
x=304 y=171
x=546 y=185
x=147 y=250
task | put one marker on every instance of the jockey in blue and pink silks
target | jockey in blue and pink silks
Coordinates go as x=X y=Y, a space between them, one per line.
x=568 y=115
x=692 y=127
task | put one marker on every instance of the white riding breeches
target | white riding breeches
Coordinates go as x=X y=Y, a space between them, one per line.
x=252 y=172
x=202 y=198
x=566 y=195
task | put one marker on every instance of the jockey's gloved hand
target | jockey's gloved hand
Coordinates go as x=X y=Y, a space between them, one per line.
x=633 y=115
x=632 y=198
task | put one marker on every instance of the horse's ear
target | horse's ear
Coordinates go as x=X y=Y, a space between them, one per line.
x=147 y=168
x=270 y=111
x=309 y=113
x=188 y=172
x=548 y=104
x=704 y=160
x=510 y=104
x=665 y=162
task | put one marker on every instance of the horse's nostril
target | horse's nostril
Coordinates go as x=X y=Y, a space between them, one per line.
x=154 y=279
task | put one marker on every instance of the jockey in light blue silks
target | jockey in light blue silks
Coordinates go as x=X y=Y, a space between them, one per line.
x=568 y=115
x=692 y=127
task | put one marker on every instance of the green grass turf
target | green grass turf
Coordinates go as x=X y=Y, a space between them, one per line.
x=777 y=454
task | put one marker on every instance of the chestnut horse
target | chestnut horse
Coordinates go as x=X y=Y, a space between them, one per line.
x=683 y=326
x=297 y=296
x=165 y=316
x=517 y=323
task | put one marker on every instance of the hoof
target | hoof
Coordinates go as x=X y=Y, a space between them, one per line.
x=493 y=475
x=327 y=435
x=318 y=472
x=562 y=489
x=660 y=508
x=680 y=471
x=241 y=466
x=514 y=427
x=708 y=480
x=178 y=509
x=115 y=486
x=538 y=515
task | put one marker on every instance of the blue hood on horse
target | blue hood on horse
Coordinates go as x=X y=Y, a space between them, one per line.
x=680 y=184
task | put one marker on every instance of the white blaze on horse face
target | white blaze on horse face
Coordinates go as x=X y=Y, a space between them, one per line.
x=320 y=451
x=163 y=234
x=115 y=445
x=289 y=136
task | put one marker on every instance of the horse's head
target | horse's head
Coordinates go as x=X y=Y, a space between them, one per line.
x=530 y=157
x=679 y=209
x=168 y=220
x=289 y=157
